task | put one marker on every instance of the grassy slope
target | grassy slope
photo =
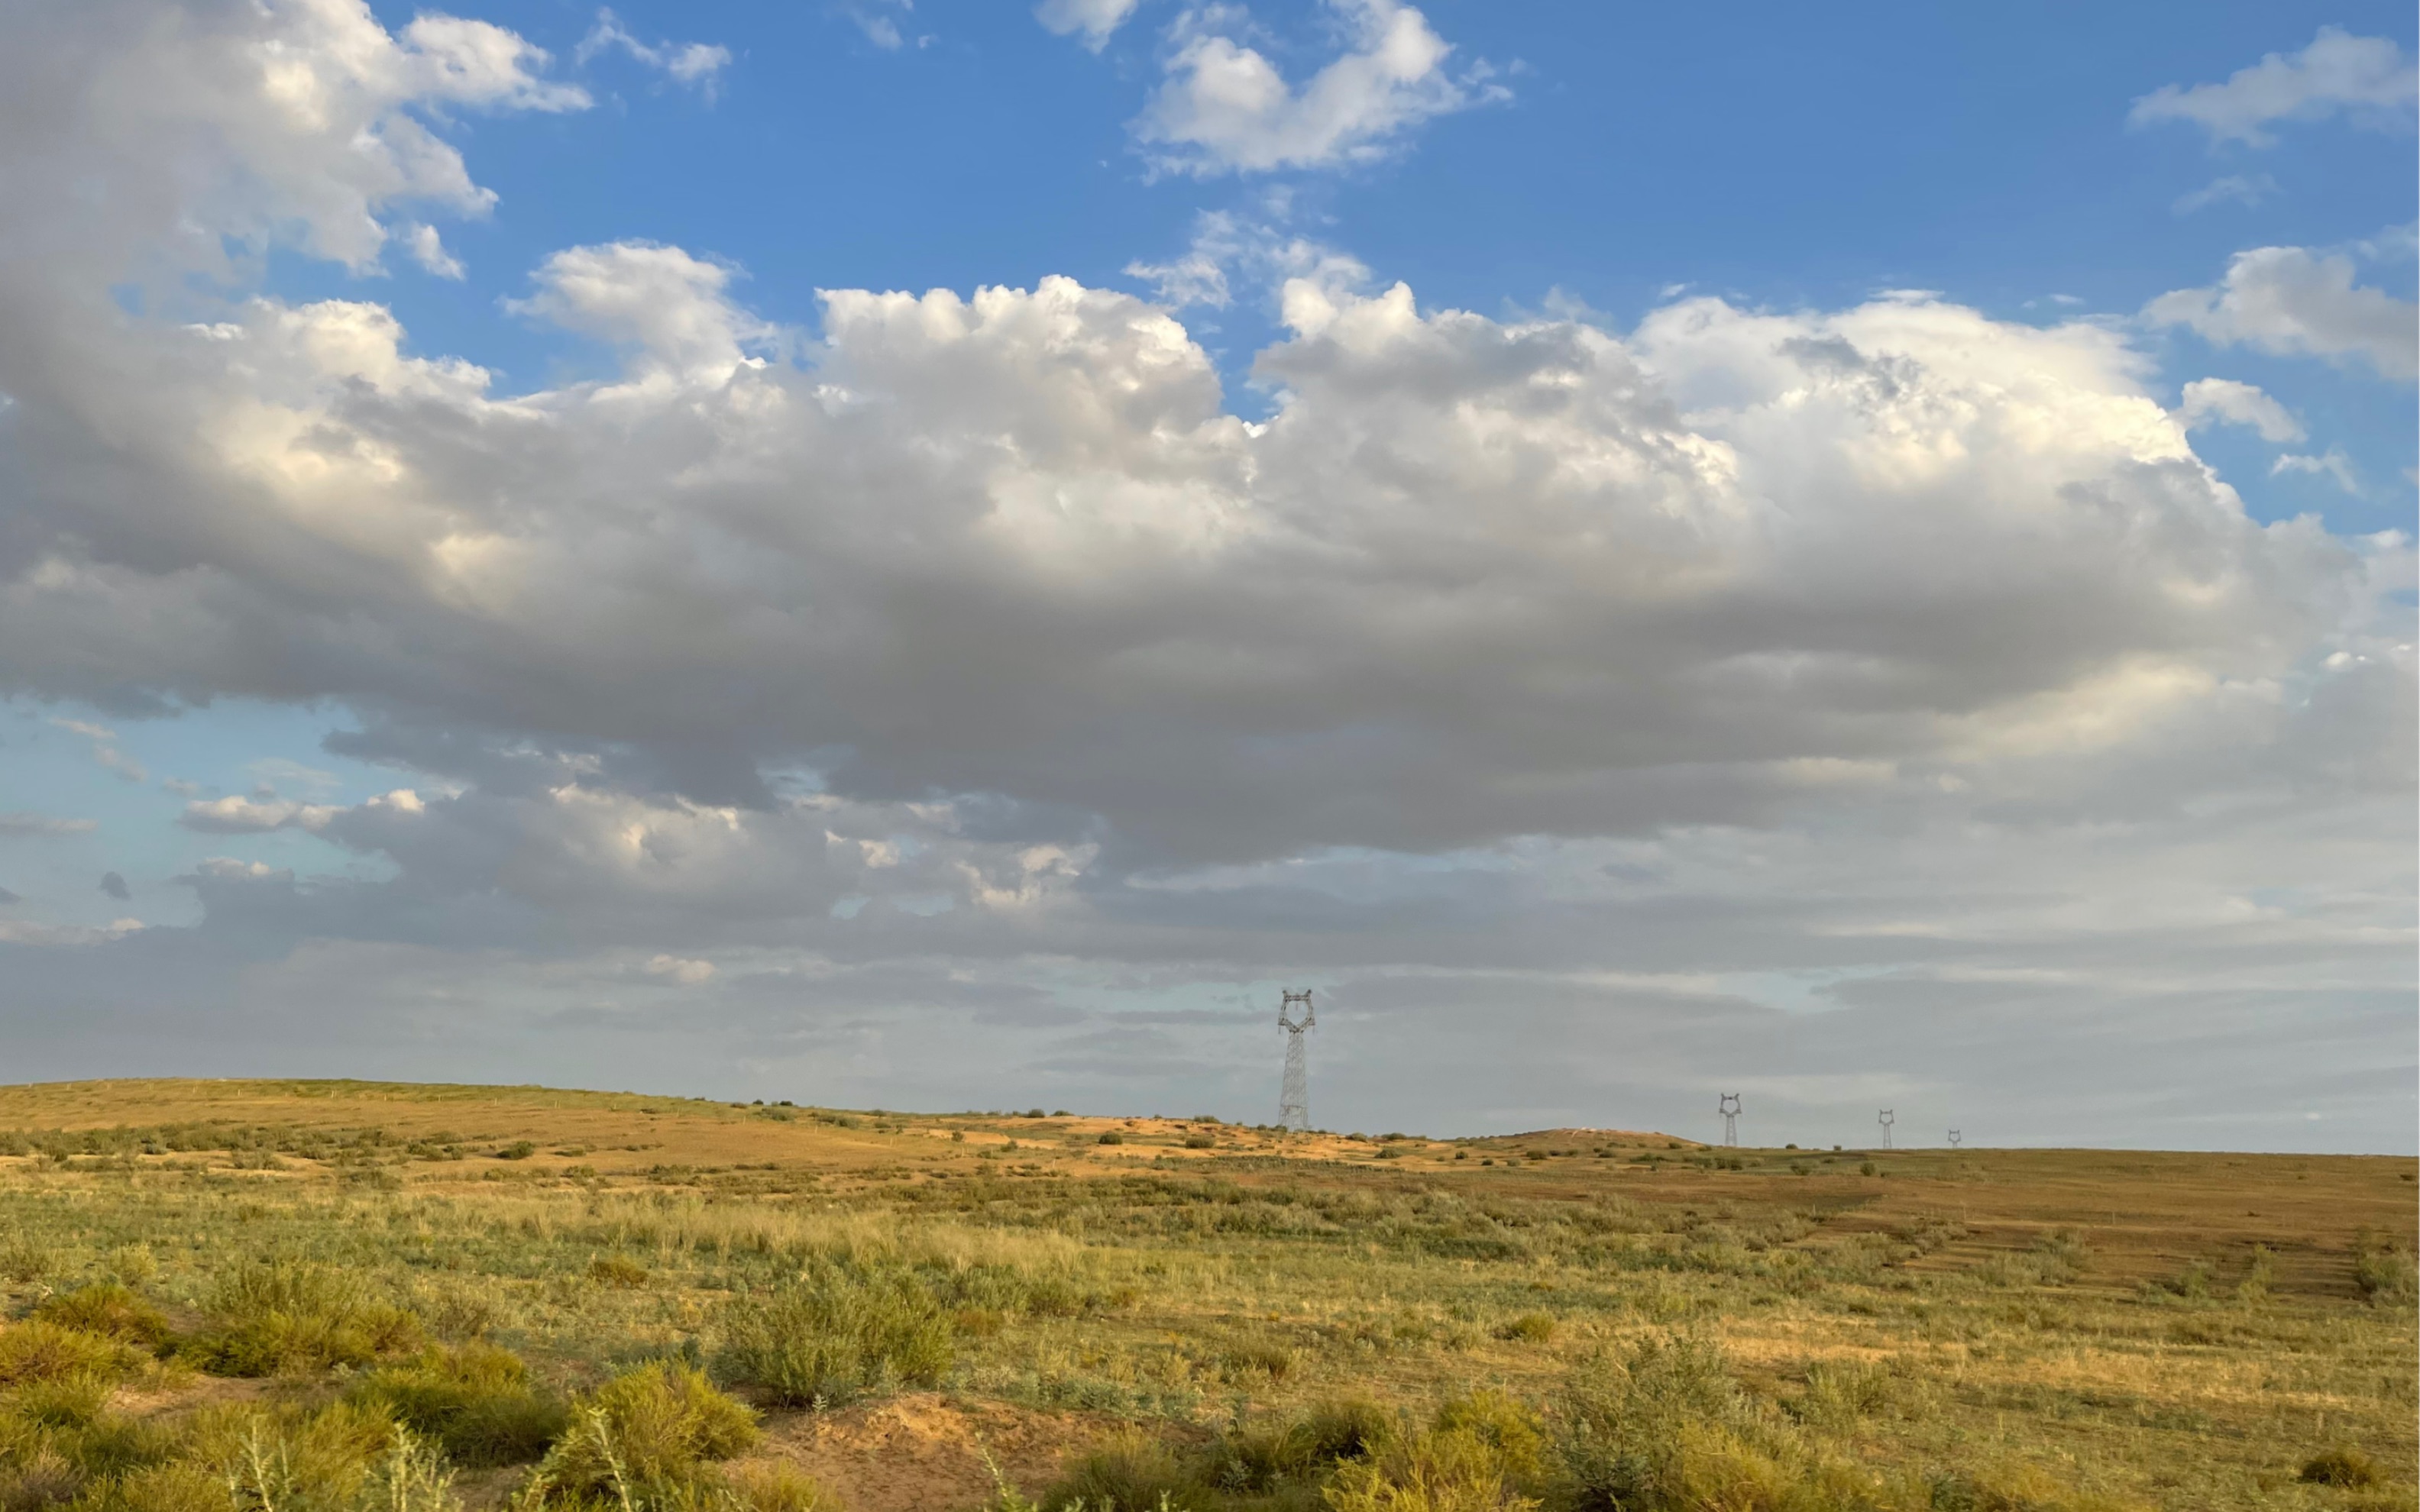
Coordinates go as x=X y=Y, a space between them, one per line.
x=2180 y=1328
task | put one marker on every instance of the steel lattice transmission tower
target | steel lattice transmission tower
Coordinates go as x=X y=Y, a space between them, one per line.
x=1954 y=1137
x=1293 y=1097
x=1730 y=1110
x=1885 y=1119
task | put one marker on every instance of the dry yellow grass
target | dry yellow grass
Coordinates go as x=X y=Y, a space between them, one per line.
x=2181 y=1329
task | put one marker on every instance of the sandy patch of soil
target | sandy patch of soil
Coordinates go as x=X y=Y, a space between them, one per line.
x=924 y=1452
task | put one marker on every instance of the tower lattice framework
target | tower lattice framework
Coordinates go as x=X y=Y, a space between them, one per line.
x=1730 y=1112
x=1294 y=1096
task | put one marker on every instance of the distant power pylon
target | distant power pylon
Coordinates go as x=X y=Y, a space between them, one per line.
x=1953 y=1138
x=1294 y=1096
x=1729 y=1108
x=1885 y=1119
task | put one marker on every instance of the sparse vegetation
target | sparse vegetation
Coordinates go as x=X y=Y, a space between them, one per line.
x=1229 y=1322
x=835 y=1332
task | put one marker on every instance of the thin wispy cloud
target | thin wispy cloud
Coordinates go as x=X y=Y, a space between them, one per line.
x=2367 y=79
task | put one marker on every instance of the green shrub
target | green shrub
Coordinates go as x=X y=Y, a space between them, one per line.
x=1448 y=1470
x=277 y=1459
x=70 y=1401
x=110 y=1310
x=1132 y=1472
x=1841 y=1391
x=1199 y=1141
x=617 y=1270
x=833 y=1334
x=39 y=1350
x=1258 y=1458
x=1509 y=1429
x=779 y=1488
x=1622 y=1423
x=176 y=1486
x=1530 y=1328
x=2384 y=1272
x=475 y=1401
x=1111 y=1138
x=1274 y=1361
x=2343 y=1466
x=280 y=1317
x=517 y=1149
x=1346 y=1429
x=647 y=1431
x=24 y=1261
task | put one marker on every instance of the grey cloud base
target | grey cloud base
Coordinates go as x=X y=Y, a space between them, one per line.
x=957 y=704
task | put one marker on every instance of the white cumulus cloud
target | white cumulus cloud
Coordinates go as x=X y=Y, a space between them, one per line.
x=2296 y=301
x=1225 y=107
x=2227 y=402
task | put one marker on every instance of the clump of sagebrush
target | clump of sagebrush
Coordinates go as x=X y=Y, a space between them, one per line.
x=110 y=1310
x=1627 y=1427
x=2384 y=1270
x=835 y=1332
x=288 y=1458
x=1266 y=1456
x=39 y=1350
x=644 y=1437
x=285 y=1316
x=2341 y=1466
x=1132 y=1469
x=476 y=1400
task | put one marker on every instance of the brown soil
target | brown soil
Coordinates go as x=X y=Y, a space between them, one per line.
x=924 y=1452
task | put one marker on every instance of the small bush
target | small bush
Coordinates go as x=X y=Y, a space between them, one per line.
x=1346 y=1429
x=475 y=1401
x=1274 y=1361
x=1839 y=1392
x=281 y=1316
x=271 y=1459
x=517 y=1149
x=833 y=1334
x=1431 y=1471
x=1622 y=1423
x=179 y=1486
x=617 y=1270
x=2343 y=1466
x=1111 y=1138
x=69 y=1401
x=648 y=1430
x=1510 y=1431
x=1199 y=1141
x=38 y=1349
x=24 y=1261
x=1530 y=1328
x=778 y=1488
x=1132 y=1472
x=2385 y=1273
x=110 y=1310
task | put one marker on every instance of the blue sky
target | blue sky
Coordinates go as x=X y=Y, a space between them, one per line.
x=1781 y=156
x=1897 y=518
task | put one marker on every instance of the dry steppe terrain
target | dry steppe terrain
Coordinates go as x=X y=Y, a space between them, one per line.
x=968 y=1310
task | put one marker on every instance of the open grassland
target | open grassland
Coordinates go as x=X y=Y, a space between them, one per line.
x=311 y=1296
